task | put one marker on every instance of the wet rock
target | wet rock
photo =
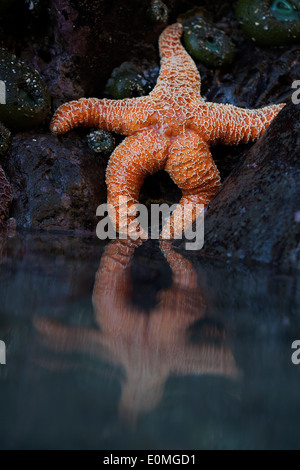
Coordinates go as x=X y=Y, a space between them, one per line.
x=5 y=199
x=255 y=216
x=85 y=41
x=57 y=183
x=258 y=76
x=59 y=61
x=119 y=31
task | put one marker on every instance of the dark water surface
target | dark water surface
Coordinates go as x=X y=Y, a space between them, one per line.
x=155 y=352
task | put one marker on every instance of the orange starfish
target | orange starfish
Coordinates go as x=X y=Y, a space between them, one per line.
x=150 y=347
x=172 y=129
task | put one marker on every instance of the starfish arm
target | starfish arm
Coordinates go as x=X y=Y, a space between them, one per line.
x=67 y=339
x=178 y=71
x=63 y=338
x=121 y=116
x=5 y=198
x=231 y=125
x=192 y=168
x=113 y=287
x=183 y=274
x=132 y=161
x=206 y=359
x=182 y=303
x=117 y=257
x=177 y=309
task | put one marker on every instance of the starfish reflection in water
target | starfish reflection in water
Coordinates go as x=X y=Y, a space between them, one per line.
x=149 y=347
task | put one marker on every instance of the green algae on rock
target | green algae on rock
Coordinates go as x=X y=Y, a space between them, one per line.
x=5 y=139
x=27 y=97
x=272 y=23
x=127 y=81
x=157 y=12
x=204 y=42
x=101 y=141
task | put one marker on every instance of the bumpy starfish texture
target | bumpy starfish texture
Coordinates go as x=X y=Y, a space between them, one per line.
x=172 y=129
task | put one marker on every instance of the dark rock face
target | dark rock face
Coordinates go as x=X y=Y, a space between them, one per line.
x=5 y=199
x=57 y=183
x=256 y=214
x=59 y=62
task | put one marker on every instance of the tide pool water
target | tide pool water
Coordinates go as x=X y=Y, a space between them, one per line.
x=112 y=346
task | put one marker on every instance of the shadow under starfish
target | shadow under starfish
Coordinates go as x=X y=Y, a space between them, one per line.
x=172 y=129
x=151 y=347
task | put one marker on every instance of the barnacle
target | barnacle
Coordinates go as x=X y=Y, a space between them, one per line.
x=101 y=141
x=157 y=11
